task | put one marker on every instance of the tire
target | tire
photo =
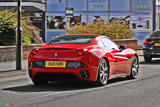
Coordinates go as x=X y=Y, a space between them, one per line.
x=39 y=82
x=103 y=73
x=134 y=68
x=147 y=58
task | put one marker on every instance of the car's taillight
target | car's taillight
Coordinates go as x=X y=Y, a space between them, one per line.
x=34 y=52
x=147 y=42
x=80 y=52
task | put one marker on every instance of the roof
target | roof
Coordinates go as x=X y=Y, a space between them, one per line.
x=25 y=8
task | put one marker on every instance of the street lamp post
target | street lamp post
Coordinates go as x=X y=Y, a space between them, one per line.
x=19 y=38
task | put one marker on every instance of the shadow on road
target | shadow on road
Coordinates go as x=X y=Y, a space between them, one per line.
x=55 y=86
x=59 y=86
x=153 y=62
x=117 y=80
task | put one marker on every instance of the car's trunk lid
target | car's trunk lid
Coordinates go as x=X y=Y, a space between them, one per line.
x=59 y=51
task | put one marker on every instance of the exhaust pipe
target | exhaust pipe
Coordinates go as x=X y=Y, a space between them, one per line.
x=84 y=74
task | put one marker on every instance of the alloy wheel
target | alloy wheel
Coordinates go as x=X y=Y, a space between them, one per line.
x=103 y=73
x=134 y=68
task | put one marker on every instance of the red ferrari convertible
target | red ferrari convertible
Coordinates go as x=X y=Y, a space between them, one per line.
x=84 y=57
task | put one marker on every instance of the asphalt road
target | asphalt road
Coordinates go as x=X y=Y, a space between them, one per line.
x=142 y=92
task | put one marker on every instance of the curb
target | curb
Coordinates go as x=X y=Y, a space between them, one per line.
x=12 y=75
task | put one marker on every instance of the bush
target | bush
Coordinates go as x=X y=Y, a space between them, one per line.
x=8 y=37
x=114 y=30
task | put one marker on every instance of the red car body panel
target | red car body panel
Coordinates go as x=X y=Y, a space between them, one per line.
x=119 y=61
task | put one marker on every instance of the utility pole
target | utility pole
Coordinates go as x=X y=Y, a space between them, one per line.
x=19 y=38
x=158 y=16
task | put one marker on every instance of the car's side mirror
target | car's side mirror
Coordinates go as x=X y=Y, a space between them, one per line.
x=122 y=47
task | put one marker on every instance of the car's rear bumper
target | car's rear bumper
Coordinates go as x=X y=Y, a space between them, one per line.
x=63 y=73
x=151 y=52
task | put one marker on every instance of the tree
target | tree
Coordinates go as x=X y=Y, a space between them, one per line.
x=8 y=24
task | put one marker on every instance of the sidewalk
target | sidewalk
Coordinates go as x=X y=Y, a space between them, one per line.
x=140 y=52
x=11 y=66
x=8 y=71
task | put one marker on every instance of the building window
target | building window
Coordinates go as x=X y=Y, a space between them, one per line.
x=78 y=19
x=56 y=5
x=141 y=21
x=122 y=17
x=56 y=21
x=78 y=5
x=119 y=5
x=96 y=16
x=97 y=5
x=142 y=5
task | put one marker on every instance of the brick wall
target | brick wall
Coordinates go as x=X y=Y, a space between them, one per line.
x=129 y=43
x=8 y=53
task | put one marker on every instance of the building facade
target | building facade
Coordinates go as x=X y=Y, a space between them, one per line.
x=49 y=15
x=140 y=15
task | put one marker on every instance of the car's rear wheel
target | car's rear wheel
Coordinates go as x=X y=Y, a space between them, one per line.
x=39 y=82
x=103 y=73
x=134 y=68
x=147 y=58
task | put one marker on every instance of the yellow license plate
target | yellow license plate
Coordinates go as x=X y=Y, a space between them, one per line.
x=55 y=64
x=157 y=44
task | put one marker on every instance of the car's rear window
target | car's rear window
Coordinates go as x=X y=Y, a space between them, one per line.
x=72 y=39
x=155 y=34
